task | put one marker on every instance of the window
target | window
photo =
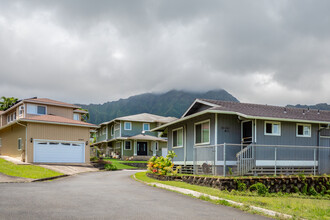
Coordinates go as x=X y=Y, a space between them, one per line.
x=76 y=117
x=14 y=115
x=19 y=144
x=127 y=126
x=41 y=110
x=36 y=109
x=177 y=137
x=0 y=142
x=146 y=126
x=273 y=128
x=103 y=130
x=202 y=132
x=112 y=130
x=21 y=110
x=304 y=130
x=127 y=145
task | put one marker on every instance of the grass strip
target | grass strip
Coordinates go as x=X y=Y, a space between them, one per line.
x=308 y=208
x=26 y=171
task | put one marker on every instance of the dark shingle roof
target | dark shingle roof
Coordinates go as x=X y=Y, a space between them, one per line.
x=269 y=111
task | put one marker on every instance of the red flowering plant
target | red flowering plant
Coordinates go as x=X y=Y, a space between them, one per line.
x=163 y=165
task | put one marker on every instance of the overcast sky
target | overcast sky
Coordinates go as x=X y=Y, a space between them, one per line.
x=271 y=52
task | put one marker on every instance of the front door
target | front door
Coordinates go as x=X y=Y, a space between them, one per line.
x=247 y=132
x=142 y=148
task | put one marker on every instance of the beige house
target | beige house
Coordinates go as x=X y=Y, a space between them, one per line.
x=41 y=130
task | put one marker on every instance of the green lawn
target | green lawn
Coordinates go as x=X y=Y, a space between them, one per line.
x=26 y=171
x=119 y=164
x=302 y=207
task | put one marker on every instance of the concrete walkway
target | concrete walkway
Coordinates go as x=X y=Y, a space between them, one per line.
x=70 y=169
x=14 y=160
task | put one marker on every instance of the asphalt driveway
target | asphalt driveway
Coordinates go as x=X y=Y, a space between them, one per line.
x=105 y=195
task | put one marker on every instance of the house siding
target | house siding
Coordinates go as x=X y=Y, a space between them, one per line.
x=229 y=131
x=188 y=134
x=56 y=132
x=9 y=138
x=137 y=128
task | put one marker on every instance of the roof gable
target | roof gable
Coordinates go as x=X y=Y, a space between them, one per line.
x=197 y=106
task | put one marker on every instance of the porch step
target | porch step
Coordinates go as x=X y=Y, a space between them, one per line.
x=188 y=169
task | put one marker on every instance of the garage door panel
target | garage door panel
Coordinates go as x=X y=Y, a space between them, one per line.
x=58 y=152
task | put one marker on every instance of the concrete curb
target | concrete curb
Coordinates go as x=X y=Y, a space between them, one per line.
x=50 y=178
x=215 y=198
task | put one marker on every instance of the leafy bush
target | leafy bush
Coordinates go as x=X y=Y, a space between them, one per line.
x=260 y=188
x=312 y=191
x=163 y=166
x=241 y=186
x=94 y=159
x=110 y=166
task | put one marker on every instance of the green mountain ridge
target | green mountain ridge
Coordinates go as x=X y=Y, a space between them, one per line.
x=320 y=106
x=173 y=103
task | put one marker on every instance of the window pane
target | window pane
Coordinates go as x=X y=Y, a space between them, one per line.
x=127 y=145
x=175 y=138
x=41 y=110
x=306 y=130
x=276 y=129
x=198 y=134
x=205 y=132
x=127 y=126
x=300 y=130
x=146 y=127
x=180 y=137
x=269 y=128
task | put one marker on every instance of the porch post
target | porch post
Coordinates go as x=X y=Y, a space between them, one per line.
x=122 y=149
x=224 y=159
x=215 y=143
x=134 y=146
x=154 y=148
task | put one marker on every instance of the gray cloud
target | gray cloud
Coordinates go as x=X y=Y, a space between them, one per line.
x=273 y=52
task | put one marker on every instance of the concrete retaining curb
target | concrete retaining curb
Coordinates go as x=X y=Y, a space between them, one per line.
x=50 y=178
x=198 y=194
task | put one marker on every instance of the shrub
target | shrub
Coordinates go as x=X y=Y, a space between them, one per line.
x=241 y=186
x=162 y=166
x=304 y=189
x=260 y=188
x=94 y=159
x=312 y=191
x=110 y=166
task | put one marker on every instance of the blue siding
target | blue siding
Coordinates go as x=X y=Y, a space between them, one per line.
x=190 y=142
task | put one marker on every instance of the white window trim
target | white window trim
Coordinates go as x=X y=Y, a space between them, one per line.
x=76 y=114
x=202 y=122
x=310 y=130
x=130 y=145
x=157 y=145
x=145 y=124
x=19 y=147
x=180 y=146
x=273 y=122
x=27 y=108
x=130 y=126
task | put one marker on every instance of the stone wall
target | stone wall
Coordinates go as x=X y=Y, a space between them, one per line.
x=275 y=184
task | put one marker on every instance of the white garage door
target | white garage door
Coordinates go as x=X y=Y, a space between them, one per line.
x=46 y=151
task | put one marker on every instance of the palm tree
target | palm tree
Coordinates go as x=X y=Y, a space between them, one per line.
x=85 y=116
x=7 y=102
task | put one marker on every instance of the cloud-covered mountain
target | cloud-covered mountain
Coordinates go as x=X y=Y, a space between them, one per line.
x=173 y=103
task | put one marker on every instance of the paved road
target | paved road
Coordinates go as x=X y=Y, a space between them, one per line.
x=105 y=195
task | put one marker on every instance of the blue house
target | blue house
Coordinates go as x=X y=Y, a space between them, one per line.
x=250 y=138
x=131 y=136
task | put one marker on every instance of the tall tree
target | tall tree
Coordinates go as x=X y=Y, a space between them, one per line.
x=7 y=102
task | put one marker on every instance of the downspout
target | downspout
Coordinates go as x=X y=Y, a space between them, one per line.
x=25 y=139
x=184 y=145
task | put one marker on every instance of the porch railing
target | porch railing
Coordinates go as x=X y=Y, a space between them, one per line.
x=245 y=160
